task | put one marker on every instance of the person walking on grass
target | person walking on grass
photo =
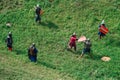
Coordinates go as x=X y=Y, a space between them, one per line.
x=102 y=30
x=87 y=47
x=32 y=53
x=9 y=41
x=37 y=11
x=72 y=42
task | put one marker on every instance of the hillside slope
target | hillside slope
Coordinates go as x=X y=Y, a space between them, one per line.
x=60 y=19
x=16 y=69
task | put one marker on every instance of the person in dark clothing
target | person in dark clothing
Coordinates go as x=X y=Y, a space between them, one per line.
x=32 y=53
x=9 y=41
x=87 y=47
x=10 y=34
x=37 y=11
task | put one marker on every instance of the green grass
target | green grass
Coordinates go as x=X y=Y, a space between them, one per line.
x=60 y=19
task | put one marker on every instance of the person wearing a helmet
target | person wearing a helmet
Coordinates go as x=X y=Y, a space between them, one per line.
x=72 y=42
x=37 y=11
x=87 y=47
x=9 y=41
x=100 y=33
x=32 y=53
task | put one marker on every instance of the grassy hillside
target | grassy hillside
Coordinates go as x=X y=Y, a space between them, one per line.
x=60 y=19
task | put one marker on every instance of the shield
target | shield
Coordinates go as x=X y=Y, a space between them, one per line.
x=105 y=58
x=103 y=29
x=81 y=39
x=41 y=12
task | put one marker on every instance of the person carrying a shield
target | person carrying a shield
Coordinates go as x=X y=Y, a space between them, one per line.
x=102 y=30
x=37 y=11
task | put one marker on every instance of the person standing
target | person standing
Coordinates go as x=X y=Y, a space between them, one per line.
x=9 y=41
x=37 y=11
x=87 y=48
x=102 y=30
x=72 y=43
x=100 y=33
x=32 y=53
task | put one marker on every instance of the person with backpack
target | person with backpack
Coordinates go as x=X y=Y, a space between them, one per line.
x=37 y=11
x=32 y=53
x=9 y=41
x=87 y=47
x=72 y=42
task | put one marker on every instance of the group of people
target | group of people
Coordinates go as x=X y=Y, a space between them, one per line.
x=87 y=43
x=32 y=50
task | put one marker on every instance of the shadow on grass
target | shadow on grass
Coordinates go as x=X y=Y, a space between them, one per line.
x=47 y=65
x=96 y=57
x=78 y=52
x=18 y=52
x=115 y=43
x=49 y=24
x=70 y=50
x=92 y=56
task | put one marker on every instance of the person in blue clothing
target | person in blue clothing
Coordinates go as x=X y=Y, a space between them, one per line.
x=32 y=53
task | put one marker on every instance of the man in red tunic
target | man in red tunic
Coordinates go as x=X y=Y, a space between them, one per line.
x=72 y=42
